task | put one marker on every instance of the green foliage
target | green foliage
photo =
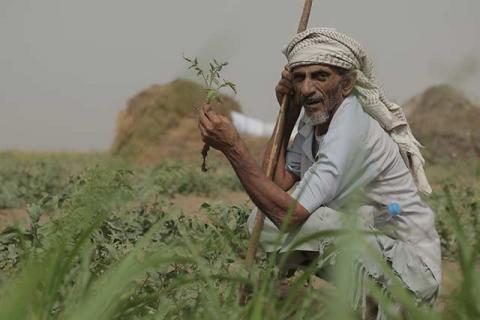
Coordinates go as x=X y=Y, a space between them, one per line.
x=181 y=178
x=103 y=254
x=211 y=78
x=26 y=178
x=114 y=247
x=460 y=181
x=466 y=211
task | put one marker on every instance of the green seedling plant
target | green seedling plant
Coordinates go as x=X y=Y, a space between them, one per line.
x=214 y=83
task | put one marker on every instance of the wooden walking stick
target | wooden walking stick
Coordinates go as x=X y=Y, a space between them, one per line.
x=271 y=163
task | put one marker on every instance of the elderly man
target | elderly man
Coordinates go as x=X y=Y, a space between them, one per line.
x=350 y=138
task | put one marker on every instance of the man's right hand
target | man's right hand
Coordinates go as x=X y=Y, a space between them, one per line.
x=284 y=86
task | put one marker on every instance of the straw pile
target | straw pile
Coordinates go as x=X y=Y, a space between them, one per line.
x=161 y=122
x=446 y=122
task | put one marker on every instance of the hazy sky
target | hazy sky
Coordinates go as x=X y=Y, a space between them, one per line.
x=67 y=67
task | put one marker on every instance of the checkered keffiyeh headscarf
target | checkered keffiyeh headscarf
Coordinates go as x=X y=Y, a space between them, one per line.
x=328 y=46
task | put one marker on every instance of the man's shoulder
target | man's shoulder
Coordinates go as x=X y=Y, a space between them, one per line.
x=350 y=116
x=350 y=108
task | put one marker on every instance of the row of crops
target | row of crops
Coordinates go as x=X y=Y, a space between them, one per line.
x=115 y=246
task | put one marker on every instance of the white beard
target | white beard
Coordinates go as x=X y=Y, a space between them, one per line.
x=319 y=117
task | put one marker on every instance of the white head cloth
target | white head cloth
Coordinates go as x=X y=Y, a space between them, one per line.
x=328 y=46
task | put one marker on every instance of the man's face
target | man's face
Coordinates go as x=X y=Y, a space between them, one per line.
x=319 y=89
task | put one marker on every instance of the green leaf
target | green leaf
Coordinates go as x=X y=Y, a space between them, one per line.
x=231 y=85
x=211 y=95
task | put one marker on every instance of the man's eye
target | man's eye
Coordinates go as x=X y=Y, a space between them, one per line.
x=298 y=77
x=321 y=76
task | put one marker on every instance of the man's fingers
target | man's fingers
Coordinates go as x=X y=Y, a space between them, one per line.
x=284 y=87
x=210 y=113
x=286 y=75
x=203 y=131
x=206 y=108
x=200 y=128
x=204 y=121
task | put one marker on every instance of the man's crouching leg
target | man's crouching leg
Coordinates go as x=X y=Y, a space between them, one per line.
x=292 y=253
x=292 y=249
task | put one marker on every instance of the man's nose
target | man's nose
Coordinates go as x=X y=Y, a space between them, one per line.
x=307 y=89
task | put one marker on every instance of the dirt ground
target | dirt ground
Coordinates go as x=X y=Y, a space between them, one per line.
x=13 y=216
x=190 y=204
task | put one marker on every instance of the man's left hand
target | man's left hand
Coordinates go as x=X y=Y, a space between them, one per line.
x=217 y=131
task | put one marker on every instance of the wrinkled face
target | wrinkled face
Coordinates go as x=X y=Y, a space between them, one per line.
x=319 y=88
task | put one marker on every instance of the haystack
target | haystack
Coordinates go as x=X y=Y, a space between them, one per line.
x=160 y=122
x=445 y=121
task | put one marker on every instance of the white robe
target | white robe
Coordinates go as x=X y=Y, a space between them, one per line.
x=356 y=154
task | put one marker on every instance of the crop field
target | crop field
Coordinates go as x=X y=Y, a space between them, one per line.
x=91 y=236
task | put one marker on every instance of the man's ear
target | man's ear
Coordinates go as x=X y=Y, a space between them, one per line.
x=348 y=82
